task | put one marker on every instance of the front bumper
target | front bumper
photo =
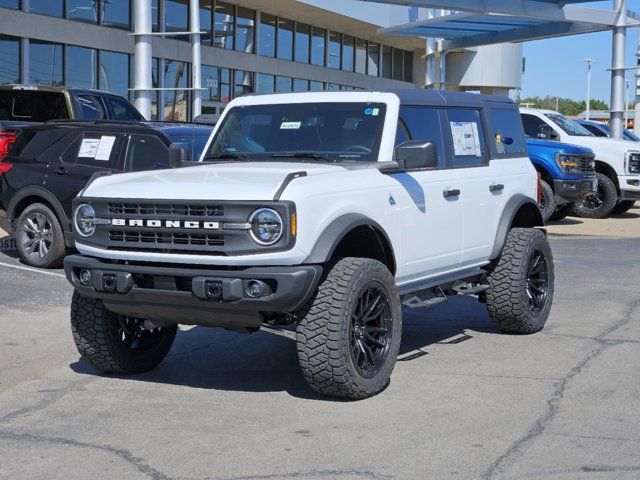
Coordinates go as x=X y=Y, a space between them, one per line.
x=575 y=189
x=190 y=295
x=630 y=187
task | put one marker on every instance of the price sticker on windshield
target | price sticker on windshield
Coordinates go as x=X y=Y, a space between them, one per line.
x=290 y=125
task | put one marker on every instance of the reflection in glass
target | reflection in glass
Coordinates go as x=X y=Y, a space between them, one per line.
x=373 y=59
x=348 y=53
x=211 y=82
x=155 y=15
x=83 y=10
x=53 y=8
x=303 y=38
x=175 y=101
x=116 y=13
x=243 y=83
x=114 y=72
x=316 y=86
x=265 y=83
x=80 y=67
x=387 y=62
x=267 y=46
x=361 y=55
x=283 y=84
x=225 y=85
x=334 y=53
x=45 y=63
x=245 y=30
x=206 y=25
x=300 y=85
x=10 y=54
x=176 y=14
x=285 y=39
x=224 y=21
x=318 y=36
x=10 y=3
x=398 y=64
x=408 y=66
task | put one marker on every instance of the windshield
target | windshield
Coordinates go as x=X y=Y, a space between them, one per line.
x=335 y=132
x=569 y=126
x=628 y=134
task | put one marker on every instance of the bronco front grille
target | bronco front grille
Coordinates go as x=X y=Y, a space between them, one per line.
x=174 y=210
x=166 y=239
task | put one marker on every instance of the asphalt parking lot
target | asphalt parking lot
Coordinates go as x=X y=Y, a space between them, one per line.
x=464 y=401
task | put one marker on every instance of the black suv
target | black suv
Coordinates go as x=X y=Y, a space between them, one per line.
x=49 y=164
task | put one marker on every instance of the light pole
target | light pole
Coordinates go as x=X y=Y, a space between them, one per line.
x=627 y=84
x=589 y=62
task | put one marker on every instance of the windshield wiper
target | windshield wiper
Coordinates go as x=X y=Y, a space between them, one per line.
x=299 y=155
x=227 y=156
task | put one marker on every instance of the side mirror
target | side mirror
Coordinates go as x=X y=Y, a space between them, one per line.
x=417 y=155
x=178 y=154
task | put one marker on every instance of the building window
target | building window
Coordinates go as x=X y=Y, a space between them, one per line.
x=316 y=86
x=225 y=20
x=373 y=59
x=176 y=15
x=244 y=83
x=225 y=85
x=333 y=87
x=361 y=56
x=285 y=39
x=10 y=54
x=265 y=83
x=335 y=50
x=176 y=100
x=267 y=45
x=53 y=8
x=45 y=63
x=114 y=72
x=283 y=84
x=211 y=82
x=155 y=83
x=387 y=61
x=318 y=38
x=80 y=67
x=10 y=3
x=398 y=64
x=155 y=16
x=300 y=85
x=348 y=52
x=82 y=10
x=408 y=66
x=245 y=30
x=206 y=21
x=303 y=39
x=116 y=13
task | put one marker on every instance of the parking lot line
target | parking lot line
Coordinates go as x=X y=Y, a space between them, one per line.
x=20 y=267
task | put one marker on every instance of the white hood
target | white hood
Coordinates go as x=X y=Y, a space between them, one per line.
x=225 y=181
x=597 y=143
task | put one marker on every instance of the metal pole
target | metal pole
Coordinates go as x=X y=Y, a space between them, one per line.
x=627 y=84
x=590 y=62
x=196 y=65
x=431 y=77
x=617 y=69
x=143 y=82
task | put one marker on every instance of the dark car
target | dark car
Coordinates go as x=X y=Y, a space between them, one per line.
x=600 y=129
x=22 y=105
x=49 y=164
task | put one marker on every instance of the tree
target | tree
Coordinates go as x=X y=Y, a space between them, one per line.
x=566 y=106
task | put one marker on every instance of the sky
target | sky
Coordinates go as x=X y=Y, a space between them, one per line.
x=554 y=67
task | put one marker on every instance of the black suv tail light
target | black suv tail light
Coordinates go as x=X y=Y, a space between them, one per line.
x=6 y=139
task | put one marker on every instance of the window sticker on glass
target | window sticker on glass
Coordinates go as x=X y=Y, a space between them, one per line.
x=290 y=125
x=104 y=148
x=89 y=148
x=466 y=139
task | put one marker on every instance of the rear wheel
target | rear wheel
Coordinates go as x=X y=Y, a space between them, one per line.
x=39 y=237
x=562 y=211
x=547 y=200
x=522 y=283
x=349 y=335
x=601 y=203
x=623 y=207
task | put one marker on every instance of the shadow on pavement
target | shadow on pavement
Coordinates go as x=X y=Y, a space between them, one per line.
x=210 y=358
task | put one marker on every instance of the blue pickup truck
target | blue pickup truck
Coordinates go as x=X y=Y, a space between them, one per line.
x=567 y=174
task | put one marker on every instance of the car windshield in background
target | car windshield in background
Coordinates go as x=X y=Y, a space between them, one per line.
x=569 y=126
x=335 y=132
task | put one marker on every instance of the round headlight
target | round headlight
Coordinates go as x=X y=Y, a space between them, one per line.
x=85 y=220
x=266 y=226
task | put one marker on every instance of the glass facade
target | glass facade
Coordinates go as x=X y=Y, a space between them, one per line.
x=53 y=8
x=176 y=98
x=113 y=73
x=225 y=20
x=334 y=59
x=45 y=63
x=285 y=39
x=245 y=30
x=10 y=54
x=10 y=3
x=116 y=13
x=80 y=67
x=302 y=42
x=318 y=38
x=267 y=44
x=83 y=10
x=176 y=17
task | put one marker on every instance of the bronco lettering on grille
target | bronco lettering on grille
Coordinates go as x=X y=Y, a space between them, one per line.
x=133 y=222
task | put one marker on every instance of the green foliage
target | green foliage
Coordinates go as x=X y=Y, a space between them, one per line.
x=565 y=106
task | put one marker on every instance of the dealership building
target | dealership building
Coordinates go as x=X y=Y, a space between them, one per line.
x=246 y=46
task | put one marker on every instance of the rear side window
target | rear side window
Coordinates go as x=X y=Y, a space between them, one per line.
x=32 y=106
x=421 y=123
x=508 y=135
x=146 y=153
x=92 y=149
x=30 y=145
x=595 y=130
x=123 y=110
x=91 y=107
x=466 y=134
x=532 y=125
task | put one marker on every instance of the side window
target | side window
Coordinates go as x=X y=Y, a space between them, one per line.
x=30 y=145
x=531 y=125
x=402 y=133
x=424 y=123
x=466 y=135
x=91 y=107
x=123 y=110
x=595 y=130
x=146 y=153
x=507 y=131
x=94 y=150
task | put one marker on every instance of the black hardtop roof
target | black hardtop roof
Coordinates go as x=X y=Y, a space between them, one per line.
x=442 y=98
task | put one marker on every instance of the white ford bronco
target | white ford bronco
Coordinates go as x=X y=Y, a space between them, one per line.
x=617 y=162
x=323 y=211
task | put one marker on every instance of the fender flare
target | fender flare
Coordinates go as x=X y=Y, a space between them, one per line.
x=514 y=204
x=335 y=232
x=34 y=191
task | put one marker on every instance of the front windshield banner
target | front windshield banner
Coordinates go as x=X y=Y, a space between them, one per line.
x=569 y=126
x=332 y=132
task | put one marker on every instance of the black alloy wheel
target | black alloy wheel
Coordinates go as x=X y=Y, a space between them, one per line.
x=371 y=330
x=537 y=281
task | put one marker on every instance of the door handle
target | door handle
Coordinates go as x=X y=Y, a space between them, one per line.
x=451 y=193
x=496 y=187
x=60 y=171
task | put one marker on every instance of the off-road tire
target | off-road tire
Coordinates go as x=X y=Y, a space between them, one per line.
x=547 y=201
x=609 y=193
x=562 y=212
x=507 y=298
x=623 y=206
x=96 y=335
x=56 y=250
x=323 y=332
